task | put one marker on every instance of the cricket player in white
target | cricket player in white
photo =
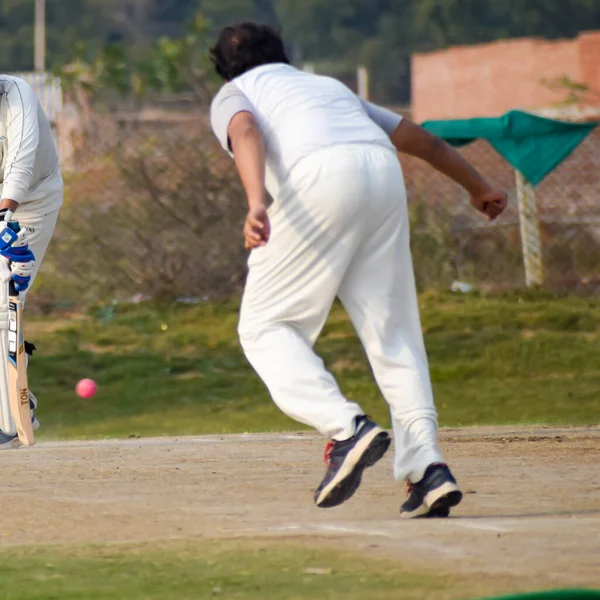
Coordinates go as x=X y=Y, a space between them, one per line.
x=337 y=226
x=31 y=194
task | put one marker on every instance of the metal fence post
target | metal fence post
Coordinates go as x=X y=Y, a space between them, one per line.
x=530 y=232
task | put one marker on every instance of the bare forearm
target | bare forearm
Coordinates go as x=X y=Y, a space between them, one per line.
x=248 y=147
x=412 y=139
x=249 y=153
x=10 y=204
x=451 y=163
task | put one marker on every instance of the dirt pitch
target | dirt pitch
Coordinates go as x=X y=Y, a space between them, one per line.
x=531 y=510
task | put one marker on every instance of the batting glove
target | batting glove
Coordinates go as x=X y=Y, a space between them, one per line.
x=15 y=249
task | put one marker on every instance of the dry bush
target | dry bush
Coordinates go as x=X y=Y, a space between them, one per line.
x=450 y=241
x=157 y=210
x=160 y=215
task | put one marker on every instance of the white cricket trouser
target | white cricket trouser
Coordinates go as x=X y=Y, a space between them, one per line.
x=339 y=227
x=40 y=227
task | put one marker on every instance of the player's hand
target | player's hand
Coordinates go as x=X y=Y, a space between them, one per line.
x=257 y=228
x=22 y=269
x=15 y=251
x=491 y=203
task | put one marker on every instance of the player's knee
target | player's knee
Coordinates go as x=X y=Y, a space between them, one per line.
x=250 y=336
x=247 y=341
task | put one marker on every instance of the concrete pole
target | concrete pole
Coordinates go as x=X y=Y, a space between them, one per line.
x=530 y=232
x=39 y=41
x=362 y=75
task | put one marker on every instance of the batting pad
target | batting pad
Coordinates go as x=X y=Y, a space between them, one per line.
x=6 y=421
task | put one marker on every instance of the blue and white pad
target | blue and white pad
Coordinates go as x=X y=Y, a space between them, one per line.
x=7 y=424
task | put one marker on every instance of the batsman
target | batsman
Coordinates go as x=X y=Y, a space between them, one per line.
x=31 y=195
x=335 y=225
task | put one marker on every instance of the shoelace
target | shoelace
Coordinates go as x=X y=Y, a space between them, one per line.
x=328 y=453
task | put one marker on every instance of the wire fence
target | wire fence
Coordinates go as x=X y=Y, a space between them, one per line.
x=154 y=208
x=451 y=242
x=48 y=90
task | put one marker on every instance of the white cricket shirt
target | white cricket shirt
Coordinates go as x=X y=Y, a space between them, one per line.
x=299 y=113
x=29 y=165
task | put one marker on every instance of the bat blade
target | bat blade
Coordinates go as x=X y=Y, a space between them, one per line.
x=18 y=389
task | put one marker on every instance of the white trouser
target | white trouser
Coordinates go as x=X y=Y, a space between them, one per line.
x=339 y=227
x=40 y=227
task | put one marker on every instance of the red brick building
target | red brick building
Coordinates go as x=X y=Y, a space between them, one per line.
x=489 y=79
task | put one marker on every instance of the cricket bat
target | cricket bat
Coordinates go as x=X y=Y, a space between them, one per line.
x=18 y=389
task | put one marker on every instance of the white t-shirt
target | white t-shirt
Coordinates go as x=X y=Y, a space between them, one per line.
x=299 y=113
x=29 y=165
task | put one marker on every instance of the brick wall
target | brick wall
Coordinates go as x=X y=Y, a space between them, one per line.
x=589 y=60
x=489 y=79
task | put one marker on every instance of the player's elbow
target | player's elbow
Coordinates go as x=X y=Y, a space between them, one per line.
x=243 y=128
x=248 y=131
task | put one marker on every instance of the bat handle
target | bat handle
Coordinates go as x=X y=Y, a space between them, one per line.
x=11 y=288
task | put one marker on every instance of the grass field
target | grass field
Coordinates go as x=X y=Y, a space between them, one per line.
x=207 y=570
x=526 y=358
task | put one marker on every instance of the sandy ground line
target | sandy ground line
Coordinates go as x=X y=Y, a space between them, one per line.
x=531 y=509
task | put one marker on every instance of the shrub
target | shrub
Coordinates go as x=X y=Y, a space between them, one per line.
x=160 y=215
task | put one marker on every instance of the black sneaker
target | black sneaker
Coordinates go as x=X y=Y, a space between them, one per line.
x=433 y=496
x=7 y=440
x=33 y=404
x=347 y=460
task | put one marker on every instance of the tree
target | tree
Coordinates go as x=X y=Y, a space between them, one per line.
x=225 y=12
x=439 y=23
x=336 y=34
x=63 y=30
x=167 y=65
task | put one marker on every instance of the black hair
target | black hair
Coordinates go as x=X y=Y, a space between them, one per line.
x=244 y=46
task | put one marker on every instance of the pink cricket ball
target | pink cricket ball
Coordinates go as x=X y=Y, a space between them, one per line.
x=86 y=388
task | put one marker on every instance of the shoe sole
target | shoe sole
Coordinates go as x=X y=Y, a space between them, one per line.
x=5 y=444
x=366 y=453
x=437 y=503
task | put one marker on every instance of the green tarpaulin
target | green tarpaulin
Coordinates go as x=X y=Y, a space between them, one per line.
x=533 y=145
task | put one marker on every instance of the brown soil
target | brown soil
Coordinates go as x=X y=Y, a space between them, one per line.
x=531 y=510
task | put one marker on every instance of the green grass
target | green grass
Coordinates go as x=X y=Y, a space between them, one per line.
x=210 y=570
x=528 y=358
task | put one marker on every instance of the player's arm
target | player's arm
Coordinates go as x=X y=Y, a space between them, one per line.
x=248 y=148
x=23 y=137
x=236 y=128
x=411 y=139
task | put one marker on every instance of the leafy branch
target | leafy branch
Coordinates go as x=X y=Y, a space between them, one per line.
x=575 y=92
